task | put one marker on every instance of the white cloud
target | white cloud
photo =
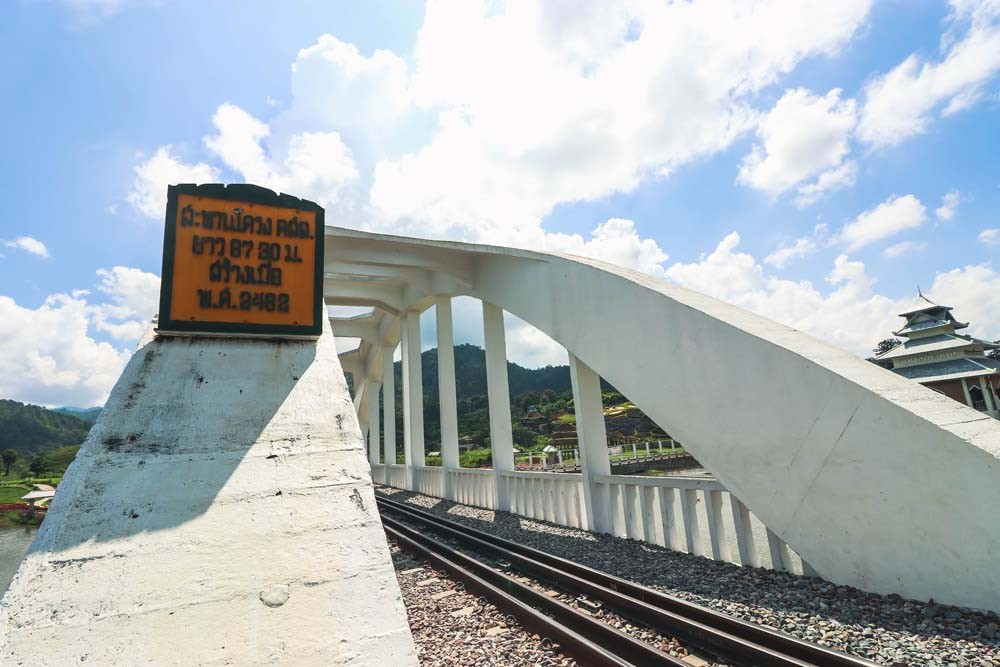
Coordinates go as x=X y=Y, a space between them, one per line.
x=949 y=206
x=786 y=253
x=548 y=103
x=529 y=347
x=316 y=165
x=899 y=249
x=29 y=244
x=852 y=315
x=149 y=186
x=830 y=180
x=989 y=236
x=902 y=102
x=892 y=216
x=334 y=85
x=974 y=292
x=551 y=103
x=49 y=356
x=50 y=353
x=133 y=300
x=615 y=241
x=804 y=136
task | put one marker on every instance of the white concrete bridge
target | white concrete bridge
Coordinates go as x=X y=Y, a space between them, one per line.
x=221 y=510
x=871 y=480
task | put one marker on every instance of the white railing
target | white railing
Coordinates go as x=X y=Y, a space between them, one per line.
x=395 y=475
x=473 y=486
x=691 y=514
x=550 y=496
x=429 y=480
x=694 y=515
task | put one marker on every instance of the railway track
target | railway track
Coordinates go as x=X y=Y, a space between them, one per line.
x=591 y=641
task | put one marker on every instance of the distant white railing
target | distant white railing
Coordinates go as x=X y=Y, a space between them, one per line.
x=553 y=497
x=690 y=514
x=429 y=480
x=395 y=475
x=473 y=486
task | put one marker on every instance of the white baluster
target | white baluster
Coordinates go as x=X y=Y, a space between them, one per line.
x=776 y=548
x=692 y=531
x=716 y=529
x=744 y=533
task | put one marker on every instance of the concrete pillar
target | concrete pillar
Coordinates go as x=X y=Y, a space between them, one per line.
x=413 y=396
x=388 y=407
x=987 y=395
x=373 y=439
x=965 y=390
x=498 y=393
x=593 y=439
x=446 y=391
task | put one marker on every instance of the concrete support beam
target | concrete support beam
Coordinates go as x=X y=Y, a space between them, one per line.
x=593 y=439
x=388 y=406
x=498 y=394
x=363 y=293
x=373 y=419
x=447 y=397
x=413 y=396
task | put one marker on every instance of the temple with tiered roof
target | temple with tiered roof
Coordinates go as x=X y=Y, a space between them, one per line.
x=951 y=363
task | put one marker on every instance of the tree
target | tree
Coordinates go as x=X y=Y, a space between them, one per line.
x=9 y=457
x=38 y=466
x=522 y=437
x=886 y=345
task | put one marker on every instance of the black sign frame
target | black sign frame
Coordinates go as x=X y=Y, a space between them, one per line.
x=254 y=194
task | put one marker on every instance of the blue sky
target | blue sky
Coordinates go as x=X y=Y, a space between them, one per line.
x=814 y=162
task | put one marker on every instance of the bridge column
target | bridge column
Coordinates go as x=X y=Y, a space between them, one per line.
x=498 y=393
x=388 y=408
x=413 y=396
x=373 y=439
x=593 y=438
x=446 y=391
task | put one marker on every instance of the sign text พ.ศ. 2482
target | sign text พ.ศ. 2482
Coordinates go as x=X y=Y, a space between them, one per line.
x=241 y=260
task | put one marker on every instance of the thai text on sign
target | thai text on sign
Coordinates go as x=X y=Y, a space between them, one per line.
x=241 y=260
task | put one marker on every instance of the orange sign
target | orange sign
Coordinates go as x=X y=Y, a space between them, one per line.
x=241 y=260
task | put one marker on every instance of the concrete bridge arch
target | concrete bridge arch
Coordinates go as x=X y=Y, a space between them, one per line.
x=877 y=482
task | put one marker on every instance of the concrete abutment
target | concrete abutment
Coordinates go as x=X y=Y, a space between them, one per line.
x=220 y=512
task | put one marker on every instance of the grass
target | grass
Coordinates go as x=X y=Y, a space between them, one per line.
x=53 y=481
x=12 y=494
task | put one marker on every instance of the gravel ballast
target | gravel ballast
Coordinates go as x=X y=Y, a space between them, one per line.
x=451 y=626
x=888 y=630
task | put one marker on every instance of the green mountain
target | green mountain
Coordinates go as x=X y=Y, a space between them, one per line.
x=86 y=414
x=30 y=429
x=470 y=374
x=547 y=387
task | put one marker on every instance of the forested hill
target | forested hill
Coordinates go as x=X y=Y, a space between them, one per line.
x=470 y=374
x=86 y=414
x=30 y=429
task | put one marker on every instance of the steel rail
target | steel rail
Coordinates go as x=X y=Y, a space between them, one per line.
x=588 y=639
x=729 y=637
x=705 y=637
